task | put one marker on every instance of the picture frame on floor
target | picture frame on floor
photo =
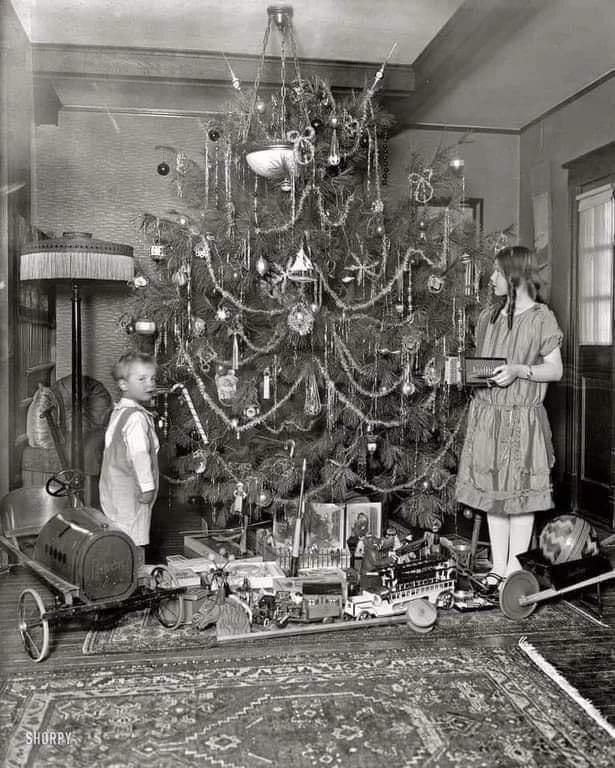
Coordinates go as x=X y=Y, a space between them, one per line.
x=363 y=518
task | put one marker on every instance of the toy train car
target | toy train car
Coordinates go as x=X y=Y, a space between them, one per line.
x=301 y=600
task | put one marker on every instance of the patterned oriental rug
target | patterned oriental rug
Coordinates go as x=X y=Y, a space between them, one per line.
x=139 y=632
x=432 y=707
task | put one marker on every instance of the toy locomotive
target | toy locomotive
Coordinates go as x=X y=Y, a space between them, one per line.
x=301 y=599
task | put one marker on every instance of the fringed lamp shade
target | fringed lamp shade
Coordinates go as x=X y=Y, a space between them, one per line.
x=76 y=257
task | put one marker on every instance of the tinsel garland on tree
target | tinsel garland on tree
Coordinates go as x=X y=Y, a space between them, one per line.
x=310 y=314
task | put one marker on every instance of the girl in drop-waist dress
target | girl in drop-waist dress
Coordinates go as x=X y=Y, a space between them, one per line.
x=507 y=456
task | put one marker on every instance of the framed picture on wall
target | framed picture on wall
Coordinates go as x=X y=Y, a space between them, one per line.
x=466 y=215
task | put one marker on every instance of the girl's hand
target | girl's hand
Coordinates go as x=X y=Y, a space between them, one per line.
x=504 y=375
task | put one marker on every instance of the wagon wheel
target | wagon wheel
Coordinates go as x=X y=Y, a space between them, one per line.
x=33 y=628
x=363 y=616
x=168 y=610
x=445 y=599
x=518 y=584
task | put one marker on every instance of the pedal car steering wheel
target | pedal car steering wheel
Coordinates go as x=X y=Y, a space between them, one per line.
x=65 y=483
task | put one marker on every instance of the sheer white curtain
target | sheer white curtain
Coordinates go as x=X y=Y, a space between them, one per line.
x=595 y=266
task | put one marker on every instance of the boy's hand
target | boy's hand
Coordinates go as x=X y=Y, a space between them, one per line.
x=146 y=497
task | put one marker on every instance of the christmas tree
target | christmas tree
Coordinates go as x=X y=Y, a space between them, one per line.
x=303 y=314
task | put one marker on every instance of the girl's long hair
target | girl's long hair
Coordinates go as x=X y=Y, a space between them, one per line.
x=517 y=263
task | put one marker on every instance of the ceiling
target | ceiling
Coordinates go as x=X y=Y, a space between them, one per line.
x=346 y=30
x=484 y=63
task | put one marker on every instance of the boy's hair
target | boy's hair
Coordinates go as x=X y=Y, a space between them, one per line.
x=125 y=363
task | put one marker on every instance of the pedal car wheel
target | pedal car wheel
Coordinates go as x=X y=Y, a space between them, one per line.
x=33 y=628
x=518 y=584
x=168 y=610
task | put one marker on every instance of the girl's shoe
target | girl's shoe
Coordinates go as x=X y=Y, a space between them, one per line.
x=488 y=583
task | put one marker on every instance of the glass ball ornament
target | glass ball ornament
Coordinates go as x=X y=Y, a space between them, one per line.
x=214 y=134
x=251 y=412
x=316 y=124
x=163 y=169
x=408 y=388
x=334 y=122
x=468 y=514
x=372 y=446
x=129 y=327
x=427 y=485
x=262 y=266
x=457 y=166
x=234 y=422
x=364 y=140
x=260 y=106
x=380 y=230
x=264 y=498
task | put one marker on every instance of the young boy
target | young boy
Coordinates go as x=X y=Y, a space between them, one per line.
x=129 y=475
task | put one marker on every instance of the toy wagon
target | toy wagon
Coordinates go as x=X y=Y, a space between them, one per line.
x=568 y=560
x=93 y=568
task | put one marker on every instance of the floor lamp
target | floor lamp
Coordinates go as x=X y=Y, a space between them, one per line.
x=76 y=258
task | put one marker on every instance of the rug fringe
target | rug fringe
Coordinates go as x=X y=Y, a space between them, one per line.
x=587 y=615
x=561 y=681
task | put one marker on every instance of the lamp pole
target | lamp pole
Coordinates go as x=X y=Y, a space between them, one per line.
x=77 y=457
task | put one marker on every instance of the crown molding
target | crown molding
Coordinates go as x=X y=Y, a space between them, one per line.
x=209 y=68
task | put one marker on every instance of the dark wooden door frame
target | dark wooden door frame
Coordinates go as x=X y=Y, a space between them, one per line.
x=589 y=171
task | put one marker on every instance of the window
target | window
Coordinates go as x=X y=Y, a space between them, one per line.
x=595 y=266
